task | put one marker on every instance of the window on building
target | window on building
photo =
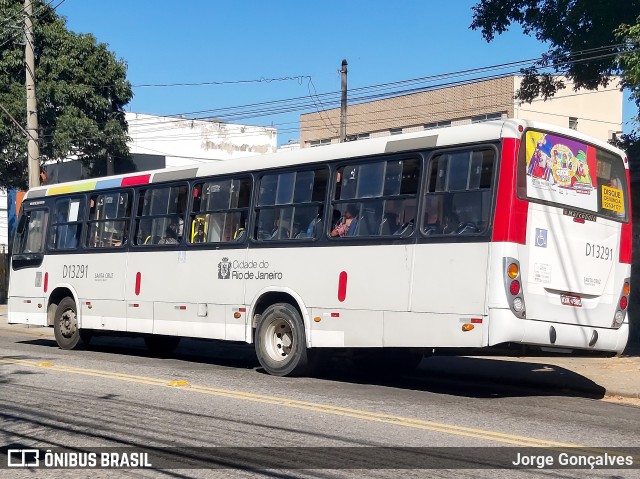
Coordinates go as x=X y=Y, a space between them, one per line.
x=573 y=123
x=395 y=131
x=220 y=211
x=458 y=195
x=486 y=117
x=437 y=124
x=314 y=143
x=160 y=215
x=108 y=220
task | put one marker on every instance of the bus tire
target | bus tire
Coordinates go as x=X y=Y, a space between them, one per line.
x=280 y=341
x=65 y=325
x=161 y=345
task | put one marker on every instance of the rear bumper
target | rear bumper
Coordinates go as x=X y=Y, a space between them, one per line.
x=504 y=327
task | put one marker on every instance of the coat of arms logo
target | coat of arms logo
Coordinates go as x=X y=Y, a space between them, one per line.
x=224 y=269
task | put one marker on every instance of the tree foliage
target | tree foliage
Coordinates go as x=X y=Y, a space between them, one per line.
x=589 y=40
x=81 y=91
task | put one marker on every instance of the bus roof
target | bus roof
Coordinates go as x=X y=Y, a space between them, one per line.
x=438 y=137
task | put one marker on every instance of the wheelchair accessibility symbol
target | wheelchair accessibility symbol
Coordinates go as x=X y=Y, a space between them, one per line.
x=541 y=238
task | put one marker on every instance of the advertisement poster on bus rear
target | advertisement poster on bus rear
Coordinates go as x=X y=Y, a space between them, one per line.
x=561 y=170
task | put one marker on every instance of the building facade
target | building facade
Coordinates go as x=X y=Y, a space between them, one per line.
x=594 y=112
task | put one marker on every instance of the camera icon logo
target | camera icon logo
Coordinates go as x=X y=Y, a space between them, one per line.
x=23 y=458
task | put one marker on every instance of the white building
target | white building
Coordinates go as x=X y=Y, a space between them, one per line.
x=184 y=142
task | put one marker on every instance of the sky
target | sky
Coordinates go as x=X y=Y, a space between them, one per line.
x=259 y=51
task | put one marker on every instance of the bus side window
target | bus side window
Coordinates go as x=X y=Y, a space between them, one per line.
x=31 y=232
x=220 y=211
x=385 y=194
x=108 y=220
x=67 y=224
x=161 y=215
x=290 y=205
x=458 y=195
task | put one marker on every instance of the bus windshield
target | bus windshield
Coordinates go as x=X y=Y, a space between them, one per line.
x=570 y=173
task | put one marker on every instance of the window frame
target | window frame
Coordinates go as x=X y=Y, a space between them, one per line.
x=483 y=235
x=191 y=213
x=79 y=221
x=256 y=207
x=128 y=220
x=135 y=218
x=418 y=156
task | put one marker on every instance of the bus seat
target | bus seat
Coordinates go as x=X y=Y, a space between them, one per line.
x=405 y=230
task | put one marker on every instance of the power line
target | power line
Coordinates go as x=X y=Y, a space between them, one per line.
x=369 y=93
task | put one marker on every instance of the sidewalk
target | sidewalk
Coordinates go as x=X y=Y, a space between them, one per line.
x=595 y=376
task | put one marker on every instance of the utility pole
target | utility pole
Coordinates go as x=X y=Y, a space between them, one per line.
x=343 y=102
x=33 y=151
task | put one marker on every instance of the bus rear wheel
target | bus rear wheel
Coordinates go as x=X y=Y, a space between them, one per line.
x=280 y=342
x=65 y=326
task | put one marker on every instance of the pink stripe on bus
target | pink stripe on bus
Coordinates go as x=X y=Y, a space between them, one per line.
x=136 y=180
x=138 y=281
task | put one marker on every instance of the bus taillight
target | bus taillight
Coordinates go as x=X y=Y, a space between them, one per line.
x=623 y=303
x=513 y=286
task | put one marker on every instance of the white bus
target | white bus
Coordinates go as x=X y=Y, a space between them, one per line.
x=469 y=236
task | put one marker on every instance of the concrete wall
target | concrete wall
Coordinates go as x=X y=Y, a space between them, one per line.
x=598 y=112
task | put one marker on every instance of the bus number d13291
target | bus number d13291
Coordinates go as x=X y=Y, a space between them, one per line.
x=75 y=271
x=599 y=252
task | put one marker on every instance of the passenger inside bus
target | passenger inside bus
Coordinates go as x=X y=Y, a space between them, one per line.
x=171 y=234
x=348 y=224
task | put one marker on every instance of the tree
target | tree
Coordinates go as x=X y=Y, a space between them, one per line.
x=81 y=90
x=590 y=41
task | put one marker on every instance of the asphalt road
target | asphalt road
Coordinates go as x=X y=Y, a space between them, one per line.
x=211 y=394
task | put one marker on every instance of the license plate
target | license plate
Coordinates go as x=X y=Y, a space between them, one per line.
x=571 y=300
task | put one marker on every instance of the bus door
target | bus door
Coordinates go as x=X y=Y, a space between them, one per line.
x=29 y=280
x=572 y=257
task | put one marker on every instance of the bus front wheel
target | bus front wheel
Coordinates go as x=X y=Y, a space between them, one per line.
x=65 y=325
x=280 y=341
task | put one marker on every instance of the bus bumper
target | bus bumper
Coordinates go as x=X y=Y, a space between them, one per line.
x=504 y=327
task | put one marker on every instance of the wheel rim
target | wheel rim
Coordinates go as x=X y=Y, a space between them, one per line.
x=68 y=324
x=279 y=340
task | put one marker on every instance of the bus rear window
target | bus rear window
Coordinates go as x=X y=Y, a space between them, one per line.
x=569 y=173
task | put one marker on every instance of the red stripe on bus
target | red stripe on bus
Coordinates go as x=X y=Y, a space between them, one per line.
x=136 y=180
x=510 y=222
x=626 y=235
x=342 y=286
x=46 y=282
x=138 y=281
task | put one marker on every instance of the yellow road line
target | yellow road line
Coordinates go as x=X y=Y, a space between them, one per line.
x=305 y=405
